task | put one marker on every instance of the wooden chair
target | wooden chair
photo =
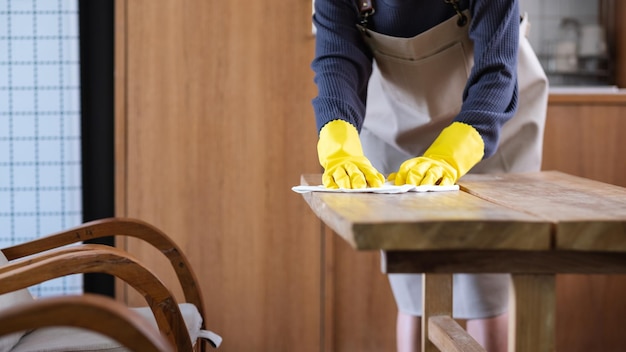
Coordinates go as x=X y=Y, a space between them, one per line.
x=48 y=259
x=92 y=312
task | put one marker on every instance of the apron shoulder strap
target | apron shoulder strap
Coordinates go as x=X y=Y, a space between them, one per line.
x=462 y=18
x=366 y=9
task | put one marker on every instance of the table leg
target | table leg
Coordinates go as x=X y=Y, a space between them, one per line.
x=436 y=300
x=532 y=313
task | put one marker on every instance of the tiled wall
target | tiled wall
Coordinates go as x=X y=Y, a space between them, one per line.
x=546 y=16
x=546 y=33
x=40 y=161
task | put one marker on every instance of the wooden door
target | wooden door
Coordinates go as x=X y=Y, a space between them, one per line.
x=214 y=126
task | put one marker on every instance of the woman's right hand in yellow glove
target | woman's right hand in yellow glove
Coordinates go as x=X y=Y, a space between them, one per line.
x=341 y=155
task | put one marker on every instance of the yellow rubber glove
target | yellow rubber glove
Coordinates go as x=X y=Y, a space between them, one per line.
x=455 y=151
x=341 y=155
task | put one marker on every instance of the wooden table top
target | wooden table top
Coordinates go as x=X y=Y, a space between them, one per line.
x=539 y=211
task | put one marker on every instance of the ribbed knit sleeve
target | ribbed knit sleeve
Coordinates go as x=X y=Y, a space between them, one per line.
x=491 y=94
x=343 y=63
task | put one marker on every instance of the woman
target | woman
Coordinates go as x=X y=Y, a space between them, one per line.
x=420 y=90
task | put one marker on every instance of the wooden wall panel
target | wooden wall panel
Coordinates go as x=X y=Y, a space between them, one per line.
x=620 y=43
x=360 y=308
x=215 y=126
x=586 y=139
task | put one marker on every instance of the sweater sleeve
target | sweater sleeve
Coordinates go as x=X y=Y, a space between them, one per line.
x=491 y=93
x=342 y=64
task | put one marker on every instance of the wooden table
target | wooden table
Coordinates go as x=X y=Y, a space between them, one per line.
x=532 y=225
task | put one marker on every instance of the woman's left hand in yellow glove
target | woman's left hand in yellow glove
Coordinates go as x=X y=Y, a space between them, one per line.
x=455 y=151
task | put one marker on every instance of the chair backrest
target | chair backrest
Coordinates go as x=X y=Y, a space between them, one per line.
x=8 y=300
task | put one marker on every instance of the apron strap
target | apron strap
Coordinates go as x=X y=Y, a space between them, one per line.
x=366 y=9
x=462 y=18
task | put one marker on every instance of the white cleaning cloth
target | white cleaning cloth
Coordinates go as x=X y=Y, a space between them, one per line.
x=388 y=187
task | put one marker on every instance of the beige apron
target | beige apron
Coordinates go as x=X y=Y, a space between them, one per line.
x=414 y=92
x=416 y=89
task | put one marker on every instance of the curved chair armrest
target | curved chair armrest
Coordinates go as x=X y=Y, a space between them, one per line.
x=96 y=313
x=36 y=258
x=101 y=259
x=119 y=227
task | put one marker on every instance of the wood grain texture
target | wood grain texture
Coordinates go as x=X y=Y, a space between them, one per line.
x=218 y=126
x=436 y=301
x=92 y=312
x=592 y=99
x=358 y=306
x=538 y=262
x=533 y=315
x=586 y=140
x=360 y=309
x=432 y=220
x=447 y=335
x=588 y=215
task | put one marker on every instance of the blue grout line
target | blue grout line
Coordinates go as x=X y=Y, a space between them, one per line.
x=10 y=108
x=40 y=63
x=40 y=37
x=54 y=113
x=40 y=87
x=61 y=105
x=36 y=127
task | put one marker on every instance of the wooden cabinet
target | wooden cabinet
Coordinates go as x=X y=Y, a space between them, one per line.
x=585 y=136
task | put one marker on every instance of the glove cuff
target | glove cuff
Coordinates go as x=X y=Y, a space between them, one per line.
x=460 y=145
x=338 y=138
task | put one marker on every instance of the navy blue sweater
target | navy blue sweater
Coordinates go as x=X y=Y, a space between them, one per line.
x=343 y=63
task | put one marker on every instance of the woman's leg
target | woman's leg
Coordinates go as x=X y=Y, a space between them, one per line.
x=474 y=296
x=491 y=333
x=408 y=333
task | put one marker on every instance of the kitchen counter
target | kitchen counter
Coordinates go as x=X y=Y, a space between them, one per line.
x=587 y=95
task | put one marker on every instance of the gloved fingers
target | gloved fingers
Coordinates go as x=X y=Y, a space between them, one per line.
x=356 y=177
x=447 y=180
x=354 y=174
x=432 y=176
x=392 y=176
x=374 y=178
x=425 y=169
x=404 y=170
x=346 y=176
x=399 y=179
x=411 y=172
x=328 y=180
x=439 y=173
